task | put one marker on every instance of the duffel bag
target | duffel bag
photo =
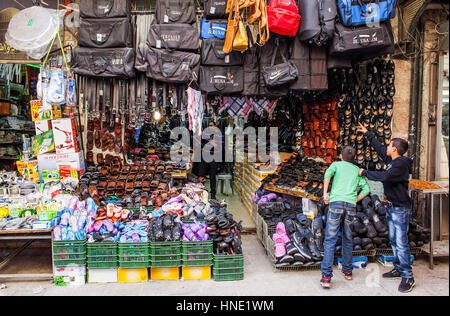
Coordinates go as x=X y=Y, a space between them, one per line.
x=104 y=8
x=212 y=54
x=279 y=74
x=105 y=33
x=167 y=66
x=173 y=36
x=318 y=19
x=251 y=68
x=362 y=12
x=215 y=9
x=104 y=62
x=362 y=40
x=209 y=29
x=175 y=11
x=221 y=80
x=283 y=17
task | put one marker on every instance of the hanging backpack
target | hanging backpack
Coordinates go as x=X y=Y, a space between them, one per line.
x=175 y=11
x=317 y=24
x=283 y=17
x=279 y=74
x=215 y=9
x=362 y=12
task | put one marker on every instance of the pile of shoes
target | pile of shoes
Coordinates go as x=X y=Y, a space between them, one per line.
x=321 y=129
x=223 y=230
x=195 y=232
x=165 y=228
x=369 y=101
x=135 y=231
x=275 y=212
x=196 y=210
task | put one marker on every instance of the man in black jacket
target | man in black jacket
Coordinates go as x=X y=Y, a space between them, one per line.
x=395 y=182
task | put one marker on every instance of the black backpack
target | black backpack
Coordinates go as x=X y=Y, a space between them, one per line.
x=318 y=19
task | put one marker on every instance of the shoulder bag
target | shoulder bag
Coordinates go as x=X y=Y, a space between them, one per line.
x=104 y=8
x=212 y=54
x=173 y=36
x=279 y=74
x=210 y=29
x=175 y=11
x=105 y=33
x=364 y=12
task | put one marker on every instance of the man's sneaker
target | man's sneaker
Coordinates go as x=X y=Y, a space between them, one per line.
x=406 y=285
x=325 y=282
x=392 y=274
x=348 y=275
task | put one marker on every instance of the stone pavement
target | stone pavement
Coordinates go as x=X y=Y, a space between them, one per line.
x=260 y=280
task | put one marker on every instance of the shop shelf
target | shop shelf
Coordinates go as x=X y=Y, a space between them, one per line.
x=359 y=253
x=165 y=254
x=389 y=252
x=134 y=255
x=69 y=252
x=228 y=268
x=197 y=253
x=102 y=255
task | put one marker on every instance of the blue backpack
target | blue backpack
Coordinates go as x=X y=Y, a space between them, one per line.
x=361 y=12
x=209 y=29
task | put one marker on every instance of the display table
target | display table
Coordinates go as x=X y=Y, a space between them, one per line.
x=436 y=248
x=29 y=236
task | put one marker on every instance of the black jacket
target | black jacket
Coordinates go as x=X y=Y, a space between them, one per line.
x=395 y=178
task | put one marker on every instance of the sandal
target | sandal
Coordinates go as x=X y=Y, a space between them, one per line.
x=134 y=169
x=146 y=185
x=126 y=169
x=129 y=186
x=154 y=184
x=120 y=185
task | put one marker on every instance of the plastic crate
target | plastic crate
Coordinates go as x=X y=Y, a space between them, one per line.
x=197 y=253
x=134 y=255
x=102 y=255
x=165 y=254
x=69 y=252
x=228 y=268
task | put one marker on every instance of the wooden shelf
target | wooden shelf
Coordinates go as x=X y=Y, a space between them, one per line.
x=291 y=192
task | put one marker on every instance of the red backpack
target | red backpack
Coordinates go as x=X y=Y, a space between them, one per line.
x=283 y=17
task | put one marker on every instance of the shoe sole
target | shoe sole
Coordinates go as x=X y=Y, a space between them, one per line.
x=392 y=278
x=410 y=289
x=325 y=285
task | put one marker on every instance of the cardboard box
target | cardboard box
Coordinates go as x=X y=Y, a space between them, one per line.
x=53 y=161
x=42 y=126
x=132 y=275
x=39 y=112
x=309 y=208
x=70 y=276
x=43 y=143
x=65 y=136
x=196 y=273
x=102 y=276
x=164 y=273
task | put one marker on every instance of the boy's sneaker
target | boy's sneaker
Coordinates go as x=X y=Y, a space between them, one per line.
x=406 y=285
x=325 y=282
x=392 y=274
x=348 y=275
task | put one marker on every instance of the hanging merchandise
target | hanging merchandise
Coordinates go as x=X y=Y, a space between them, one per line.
x=57 y=88
x=175 y=11
x=311 y=62
x=215 y=9
x=221 y=80
x=355 y=13
x=209 y=29
x=240 y=42
x=279 y=74
x=107 y=62
x=33 y=29
x=105 y=33
x=104 y=8
x=232 y=26
x=283 y=17
x=173 y=36
x=167 y=66
x=362 y=42
x=212 y=54
x=251 y=68
x=318 y=21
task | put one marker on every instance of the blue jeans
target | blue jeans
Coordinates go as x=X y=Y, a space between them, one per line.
x=398 y=224
x=338 y=212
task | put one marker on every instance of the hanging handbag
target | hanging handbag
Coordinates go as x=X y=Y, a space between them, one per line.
x=212 y=54
x=240 y=42
x=175 y=11
x=364 y=12
x=104 y=62
x=104 y=8
x=362 y=40
x=105 y=33
x=173 y=36
x=209 y=29
x=283 y=17
x=167 y=66
x=318 y=20
x=221 y=80
x=215 y=9
x=232 y=26
x=279 y=74
x=251 y=68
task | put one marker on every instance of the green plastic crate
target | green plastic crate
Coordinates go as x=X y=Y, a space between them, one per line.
x=228 y=268
x=134 y=255
x=197 y=253
x=69 y=252
x=102 y=255
x=165 y=254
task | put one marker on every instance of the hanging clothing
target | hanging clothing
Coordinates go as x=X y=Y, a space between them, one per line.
x=195 y=109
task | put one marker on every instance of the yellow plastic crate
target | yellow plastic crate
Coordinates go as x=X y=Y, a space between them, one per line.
x=132 y=275
x=196 y=273
x=165 y=273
